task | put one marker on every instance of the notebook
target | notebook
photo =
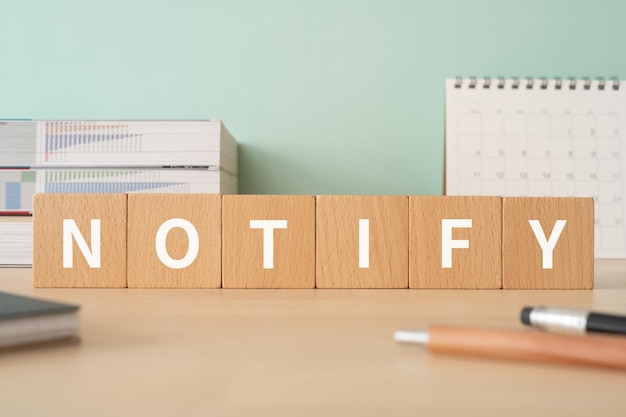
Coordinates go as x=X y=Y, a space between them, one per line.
x=27 y=320
x=541 y=137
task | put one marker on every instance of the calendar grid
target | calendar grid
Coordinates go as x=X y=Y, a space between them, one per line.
x=558 y=143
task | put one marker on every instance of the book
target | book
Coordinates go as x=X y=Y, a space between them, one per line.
x=17 y=186
x=27 y=320
x=113 y=156
x=16 y=241
x=541 y=137
x=117 y=143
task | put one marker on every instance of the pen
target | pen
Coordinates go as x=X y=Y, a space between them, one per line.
x=591 y=350
x=572 y=321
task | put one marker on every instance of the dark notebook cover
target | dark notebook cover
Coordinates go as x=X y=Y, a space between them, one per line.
x=17 y=306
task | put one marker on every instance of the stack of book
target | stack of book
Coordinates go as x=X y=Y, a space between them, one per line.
x=46 y=156
x=113 y=156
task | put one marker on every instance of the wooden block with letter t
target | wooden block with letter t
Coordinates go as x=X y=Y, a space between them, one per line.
x=455 y=242
x=362 y=241
x=547 y=243
x=268 y=241
x=174 y=240
x=79 y=240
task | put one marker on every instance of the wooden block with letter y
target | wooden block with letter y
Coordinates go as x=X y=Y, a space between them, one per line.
x=174 y=240
x=455 y=242
x=79 y=240
x=268 y=241
x=547 y=243
x=362 y=241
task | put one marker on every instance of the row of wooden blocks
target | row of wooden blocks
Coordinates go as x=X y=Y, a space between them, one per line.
x=294 y=241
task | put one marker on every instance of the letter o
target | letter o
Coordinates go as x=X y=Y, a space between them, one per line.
x=192 y=250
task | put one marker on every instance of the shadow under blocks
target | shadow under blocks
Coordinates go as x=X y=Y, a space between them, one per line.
x=325 y=241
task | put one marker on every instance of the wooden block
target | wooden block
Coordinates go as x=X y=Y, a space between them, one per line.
x=362 y=242
x=455 y=242
x=186 y=228
x=268 y=241
x=78 y=217
x=560 y=261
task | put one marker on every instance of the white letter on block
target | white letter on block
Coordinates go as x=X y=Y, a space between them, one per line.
x=192 y=250
x=547 y=246
x=447 y=243
x=268 y=227
x=364 y=243
x=70 y=230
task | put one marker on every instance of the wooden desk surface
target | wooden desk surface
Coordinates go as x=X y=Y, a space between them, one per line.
x=296 y=353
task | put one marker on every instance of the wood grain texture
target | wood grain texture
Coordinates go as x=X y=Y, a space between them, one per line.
x=146 y=214
x=337 y=225
x=49 y=210
x=242 y=246
x=477 y=267
x=299 y=353
x=286 y=351
x=572 y=257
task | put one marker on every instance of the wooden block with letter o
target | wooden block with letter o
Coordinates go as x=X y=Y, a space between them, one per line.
x=547 y=243
x=79 y=240
x=268 y=241
x=455 y=242
x=174 y=240
x=362 y=241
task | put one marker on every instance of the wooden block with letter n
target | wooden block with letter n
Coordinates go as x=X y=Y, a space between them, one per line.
x=268 y=241
x=79 y=240
x=455 y=242
x=362 y=241
x=547 y=243
x=174 y=240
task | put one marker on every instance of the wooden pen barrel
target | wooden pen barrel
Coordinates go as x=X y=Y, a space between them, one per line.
x=591 y=350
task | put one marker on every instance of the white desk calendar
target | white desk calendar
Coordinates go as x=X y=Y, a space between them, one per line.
x=542 y=137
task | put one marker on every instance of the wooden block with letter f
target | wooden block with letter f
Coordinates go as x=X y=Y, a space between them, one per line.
x=547 y=243
x=455 y=242
x=362 y=241
x=268 y=241
x=174 y=240
x=79 y=240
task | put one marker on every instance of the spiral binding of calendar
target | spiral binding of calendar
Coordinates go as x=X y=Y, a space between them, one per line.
x=542 y=83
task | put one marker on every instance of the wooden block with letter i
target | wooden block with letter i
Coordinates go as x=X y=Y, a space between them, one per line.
x=79 y=240
x=268 y=241
x=362 y=241
x=174 y=240
x=455 y=242
x=547 y=243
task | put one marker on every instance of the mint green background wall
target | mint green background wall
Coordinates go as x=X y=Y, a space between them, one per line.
x=324 y=96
